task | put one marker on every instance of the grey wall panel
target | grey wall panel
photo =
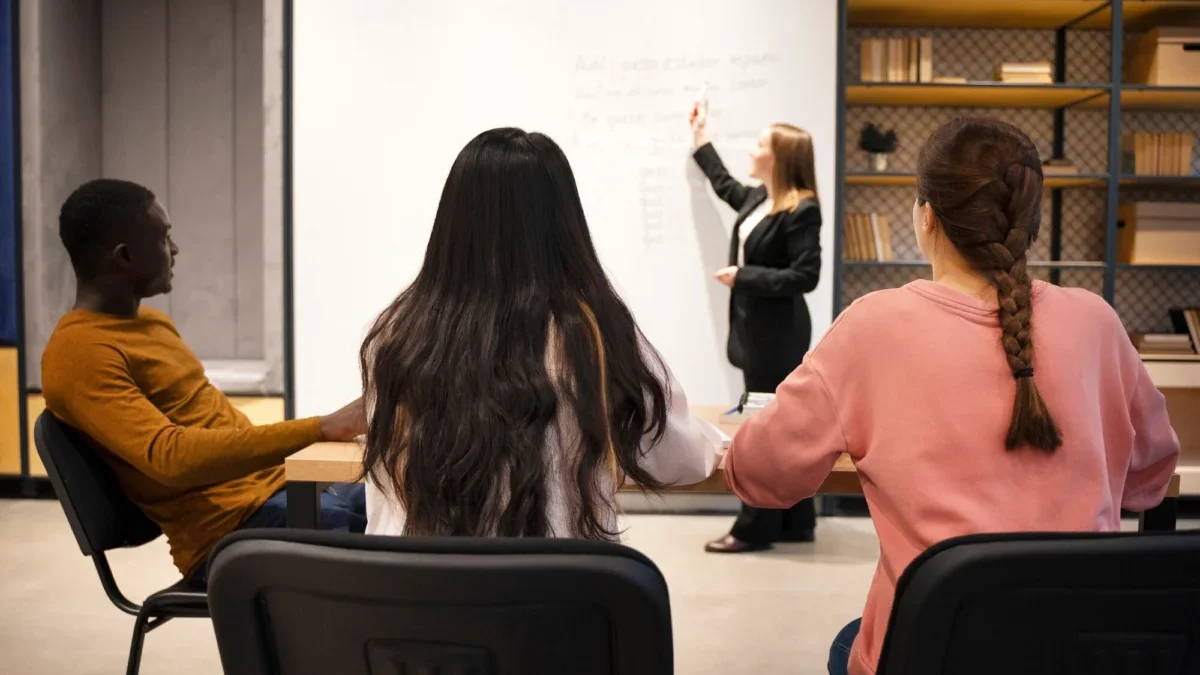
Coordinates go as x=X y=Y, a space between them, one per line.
x=248 y=176
x=133 y=97
x=183 y=97
x=60 y=137
x=200 y=163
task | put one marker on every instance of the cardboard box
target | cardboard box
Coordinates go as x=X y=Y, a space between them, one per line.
x=1164 y=57
x=1158 y=233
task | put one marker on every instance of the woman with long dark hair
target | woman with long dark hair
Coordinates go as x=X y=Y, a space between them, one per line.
x=774 y=259
x=509 y=390
x=957 y=421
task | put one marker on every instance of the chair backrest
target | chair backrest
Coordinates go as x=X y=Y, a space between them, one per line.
x=101 y=516
x=296 y=602
x=1041 y=604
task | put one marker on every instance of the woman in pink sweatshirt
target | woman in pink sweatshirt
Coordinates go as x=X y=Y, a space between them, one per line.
x=931 y=388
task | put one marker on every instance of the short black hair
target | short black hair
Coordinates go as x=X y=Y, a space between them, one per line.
x=93 y=213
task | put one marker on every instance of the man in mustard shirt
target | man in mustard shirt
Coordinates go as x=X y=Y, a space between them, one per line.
x=120 y=373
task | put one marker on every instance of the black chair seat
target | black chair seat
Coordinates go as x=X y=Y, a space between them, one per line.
x=180 y=600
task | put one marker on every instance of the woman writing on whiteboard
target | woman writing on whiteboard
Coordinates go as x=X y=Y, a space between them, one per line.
x=774 y=259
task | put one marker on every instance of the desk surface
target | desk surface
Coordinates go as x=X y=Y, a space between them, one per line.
x=342 y=462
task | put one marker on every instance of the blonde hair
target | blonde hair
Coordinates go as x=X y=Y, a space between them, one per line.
x=794 y=179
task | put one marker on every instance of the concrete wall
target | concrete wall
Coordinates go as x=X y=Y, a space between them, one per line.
x=168 y=93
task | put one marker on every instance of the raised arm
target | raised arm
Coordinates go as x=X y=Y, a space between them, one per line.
x=803 y=235
x=106 y=404
x=727 y=187
x=783 y=454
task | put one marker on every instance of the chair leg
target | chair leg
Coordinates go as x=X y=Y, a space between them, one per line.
x=135 y=648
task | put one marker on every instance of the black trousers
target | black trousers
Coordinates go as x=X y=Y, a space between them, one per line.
x=765 y=526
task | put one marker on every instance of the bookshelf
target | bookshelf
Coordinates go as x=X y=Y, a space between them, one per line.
x=1080 y=117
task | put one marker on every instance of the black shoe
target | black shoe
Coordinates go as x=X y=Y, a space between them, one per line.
x=800 y=537
x=731 y=544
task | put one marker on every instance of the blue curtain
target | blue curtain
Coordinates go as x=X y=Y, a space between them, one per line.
x=8 y=201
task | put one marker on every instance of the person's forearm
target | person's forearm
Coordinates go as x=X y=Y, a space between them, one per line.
x=189 y=458
x=700 y=139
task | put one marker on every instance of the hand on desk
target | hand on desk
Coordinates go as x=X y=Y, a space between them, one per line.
x=726 y=275
x=346 y=424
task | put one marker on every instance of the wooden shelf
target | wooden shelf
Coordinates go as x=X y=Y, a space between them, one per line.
x=1159 y=267
x=1173 y=373
x=1143 y=14
x=901 y=179
x=1161 y=181
x=971 y=13
x=1012 y=14
x=1145 y=97
x=973 y=94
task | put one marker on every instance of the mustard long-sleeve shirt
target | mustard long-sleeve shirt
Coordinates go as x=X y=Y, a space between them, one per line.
x=180 y=450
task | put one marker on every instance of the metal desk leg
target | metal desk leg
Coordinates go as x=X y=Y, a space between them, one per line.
x=303 y=504
x=1160 y=518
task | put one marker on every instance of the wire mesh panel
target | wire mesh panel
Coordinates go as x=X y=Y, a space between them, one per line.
x=1144 y=296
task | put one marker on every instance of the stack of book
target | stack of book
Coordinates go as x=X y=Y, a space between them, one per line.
x=1037 y=72
x=750 y=404
x=1182 y=344
x=1059 y=167
x=1157 y=154
x=867 y=237
x=897 y=60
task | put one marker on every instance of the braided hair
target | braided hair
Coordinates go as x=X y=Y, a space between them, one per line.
x=983 y=180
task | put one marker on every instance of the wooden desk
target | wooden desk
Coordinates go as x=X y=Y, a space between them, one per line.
x=342 y=462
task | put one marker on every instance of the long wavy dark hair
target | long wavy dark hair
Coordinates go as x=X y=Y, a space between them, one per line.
x=510 y=318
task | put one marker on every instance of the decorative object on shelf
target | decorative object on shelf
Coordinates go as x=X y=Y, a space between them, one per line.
x=949 y=79
x=1165 y=56
x=867 y=237
x=1059 y=167
x=1025 y=73
x=1157 y=154
x=878 y=145
x=1158 y=233
x=897 y=60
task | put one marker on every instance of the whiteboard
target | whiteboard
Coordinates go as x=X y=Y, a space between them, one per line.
x=386 y=93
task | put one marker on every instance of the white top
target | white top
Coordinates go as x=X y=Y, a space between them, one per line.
x=688 y=452
x=756 y=216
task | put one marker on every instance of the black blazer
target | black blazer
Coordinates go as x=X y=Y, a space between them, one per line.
x=769 y=324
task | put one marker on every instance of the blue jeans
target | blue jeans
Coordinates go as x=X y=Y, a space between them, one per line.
x=343 y=508
x=839 y=651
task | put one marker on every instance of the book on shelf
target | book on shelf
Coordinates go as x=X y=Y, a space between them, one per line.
x=949 y=79
x=1164 y=344
x=1039 y=72
x=868 y=237
x=1146 y=153
x=1059 y=167
x=896 y=59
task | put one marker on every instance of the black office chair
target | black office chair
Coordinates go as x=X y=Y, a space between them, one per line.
x=1042 y=604
x=103 y=518
x=300 y=602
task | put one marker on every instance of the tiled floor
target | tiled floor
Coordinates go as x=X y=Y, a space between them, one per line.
x=728 y=611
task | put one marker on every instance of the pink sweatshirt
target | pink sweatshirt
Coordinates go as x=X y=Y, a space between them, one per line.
x=913 y=384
